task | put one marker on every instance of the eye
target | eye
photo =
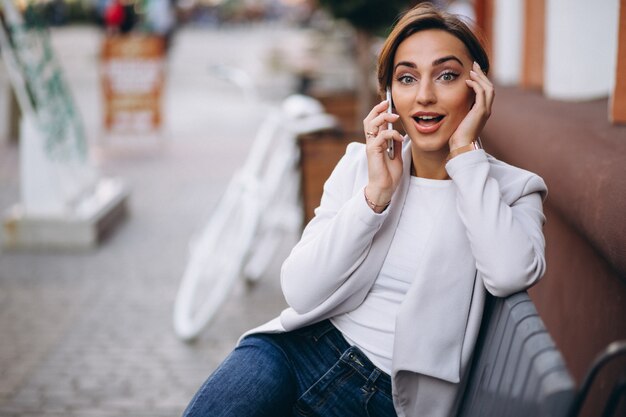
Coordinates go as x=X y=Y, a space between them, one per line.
x=406 y=79
x=448 y=76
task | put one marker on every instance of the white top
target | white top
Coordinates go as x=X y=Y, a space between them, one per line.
x=371 y=326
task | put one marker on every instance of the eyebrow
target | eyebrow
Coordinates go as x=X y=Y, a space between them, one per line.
x=435 y=63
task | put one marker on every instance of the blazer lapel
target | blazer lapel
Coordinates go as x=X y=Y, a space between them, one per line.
x=430 y=325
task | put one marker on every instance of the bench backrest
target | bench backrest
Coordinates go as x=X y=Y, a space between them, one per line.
x=517 y=369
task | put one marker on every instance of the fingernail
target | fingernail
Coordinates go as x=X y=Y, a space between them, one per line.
x=476 y=63
x=473 y=73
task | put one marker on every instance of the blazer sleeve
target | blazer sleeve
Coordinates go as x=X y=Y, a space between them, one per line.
x=337 y=239
x=502 y=209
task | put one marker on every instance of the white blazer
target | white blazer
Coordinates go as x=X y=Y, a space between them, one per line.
x=490 y=239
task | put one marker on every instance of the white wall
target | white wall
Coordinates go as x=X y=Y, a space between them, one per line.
x=508 y=31
x=581 y=48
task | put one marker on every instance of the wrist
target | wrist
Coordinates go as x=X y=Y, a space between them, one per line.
x=473 y=145
x=376 y=201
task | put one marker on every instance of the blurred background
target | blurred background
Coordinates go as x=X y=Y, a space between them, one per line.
x=86 y=330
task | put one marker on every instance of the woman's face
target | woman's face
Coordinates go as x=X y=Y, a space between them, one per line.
x=428 y=87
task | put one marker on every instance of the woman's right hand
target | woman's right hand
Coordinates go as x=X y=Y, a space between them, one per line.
x=383 y=173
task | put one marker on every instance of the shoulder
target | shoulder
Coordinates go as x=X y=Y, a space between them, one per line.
x=355 y=150
x=349 y=174
x=354 y=161
x=515 y=182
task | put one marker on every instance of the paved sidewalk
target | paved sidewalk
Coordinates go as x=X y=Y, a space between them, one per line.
x=89 y=334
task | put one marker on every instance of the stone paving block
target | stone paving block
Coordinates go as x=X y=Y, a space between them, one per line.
x=89 y=334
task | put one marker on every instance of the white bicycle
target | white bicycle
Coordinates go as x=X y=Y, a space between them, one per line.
x=260 y=205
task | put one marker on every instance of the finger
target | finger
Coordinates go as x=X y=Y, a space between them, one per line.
x=381 y=140
x=478 y=75
x=382 y=106
x=481 y=74
x=489 y=97
x=397 y=140
x=391 y=134
x=380 y=121
x=376 y=110
x=482 y=83
x=379 y=124
x=482 y=78
x=487 y=90
x=479 y=93
x=371 y=129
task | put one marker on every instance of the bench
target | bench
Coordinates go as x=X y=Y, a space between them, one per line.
x=517 y=371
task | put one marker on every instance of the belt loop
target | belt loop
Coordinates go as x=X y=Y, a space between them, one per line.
x=370 y=385
x=373 y=376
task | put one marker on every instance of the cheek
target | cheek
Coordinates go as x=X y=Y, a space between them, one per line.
x=462 y=103
x=403 y=107
x=469 y=97
x=402 y=101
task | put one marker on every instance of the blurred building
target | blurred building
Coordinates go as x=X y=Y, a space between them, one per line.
x=560 y=110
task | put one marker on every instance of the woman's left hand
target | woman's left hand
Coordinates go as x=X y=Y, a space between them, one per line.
x=473 y=123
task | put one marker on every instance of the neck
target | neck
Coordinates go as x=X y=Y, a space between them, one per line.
x=431 y=165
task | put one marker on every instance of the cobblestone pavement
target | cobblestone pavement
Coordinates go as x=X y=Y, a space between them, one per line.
x=89 y=333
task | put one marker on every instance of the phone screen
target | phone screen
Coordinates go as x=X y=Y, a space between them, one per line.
x=390 y=144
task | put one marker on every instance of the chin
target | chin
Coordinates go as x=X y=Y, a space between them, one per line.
x=427 y=144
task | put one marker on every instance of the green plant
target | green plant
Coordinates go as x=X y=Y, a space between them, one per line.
x=372 y=16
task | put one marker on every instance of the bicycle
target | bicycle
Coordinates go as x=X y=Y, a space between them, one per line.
x=244 y=232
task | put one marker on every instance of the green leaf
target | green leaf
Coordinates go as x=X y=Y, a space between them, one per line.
x=372 y=16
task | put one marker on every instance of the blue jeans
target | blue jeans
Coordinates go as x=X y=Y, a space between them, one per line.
x=307 y=372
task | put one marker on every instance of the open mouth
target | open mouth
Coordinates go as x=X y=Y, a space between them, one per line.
x=427 y=121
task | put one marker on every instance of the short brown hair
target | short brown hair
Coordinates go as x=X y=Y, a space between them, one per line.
x=421 y=17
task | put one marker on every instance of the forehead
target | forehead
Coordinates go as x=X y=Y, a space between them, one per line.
x=428 y=45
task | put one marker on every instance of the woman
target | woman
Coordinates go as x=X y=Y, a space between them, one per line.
x=387 y=285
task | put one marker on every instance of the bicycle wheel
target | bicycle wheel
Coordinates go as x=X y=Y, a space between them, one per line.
x=215 y=261
x=284 y=217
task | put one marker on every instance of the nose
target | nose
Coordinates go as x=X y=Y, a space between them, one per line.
x=426 y=92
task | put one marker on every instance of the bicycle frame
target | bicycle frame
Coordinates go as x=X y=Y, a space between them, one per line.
x=242 y=234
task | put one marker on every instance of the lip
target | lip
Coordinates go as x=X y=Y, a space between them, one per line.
x=431 y=128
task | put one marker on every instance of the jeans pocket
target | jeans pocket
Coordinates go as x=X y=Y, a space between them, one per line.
x=334 y=394
x=379 y=404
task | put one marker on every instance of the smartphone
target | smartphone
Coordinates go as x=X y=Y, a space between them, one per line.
x=390 y=144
